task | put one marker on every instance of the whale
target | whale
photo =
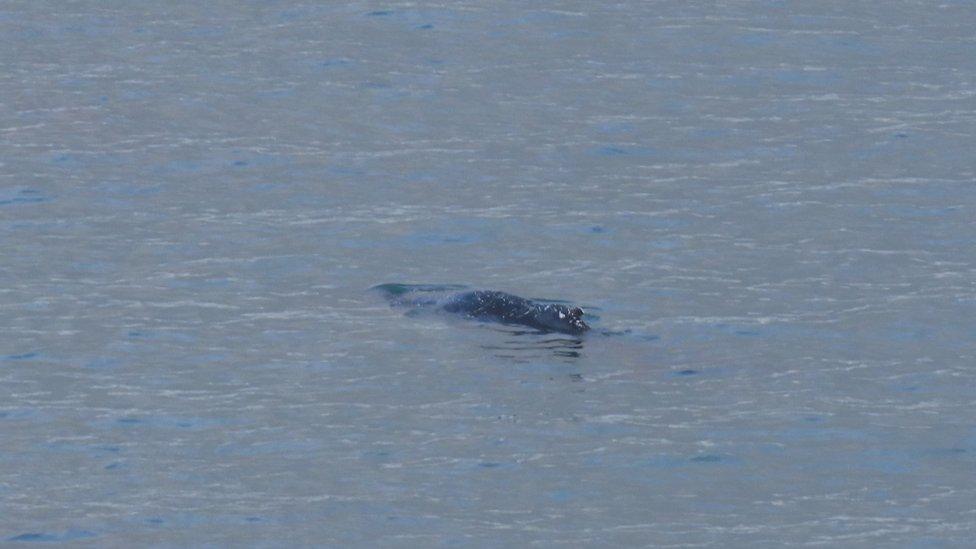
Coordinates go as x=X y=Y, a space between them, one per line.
x=488 y=306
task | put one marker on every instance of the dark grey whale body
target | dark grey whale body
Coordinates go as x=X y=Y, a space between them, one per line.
x=512 y=309
x=489 y=305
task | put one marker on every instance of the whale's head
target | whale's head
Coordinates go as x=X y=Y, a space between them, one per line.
x=559 y=318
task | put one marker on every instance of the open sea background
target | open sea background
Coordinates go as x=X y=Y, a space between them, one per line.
x=769 y=205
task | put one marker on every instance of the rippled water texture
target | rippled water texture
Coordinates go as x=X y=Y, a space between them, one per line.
x=767 y=208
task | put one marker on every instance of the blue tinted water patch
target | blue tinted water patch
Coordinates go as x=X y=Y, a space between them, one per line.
x=163 y=422
x=429 y=239
x=34 y=536
x=756 y=39
x=611 y=151
x=611 y=429
x=460 y=231
x=969 y=441
x=887 y=461
x=615 y=127
x=953 y=452
x=918 y=383
x=207 y=31
x=307 y=11
x=777 y=152
x=795 y=331
x=738 y=330
x=70 y=83
x=103 y=363
x=660 y=222
x=275 y=447
x=496 y=465
x=713 y=134
x=67 y=160
x=563 y=495
x=694 y=373
x=907 y=331
x=179 y=167
x=420 y=176
x=90 y=26
x=169 y=335
x=665 y=461
x=23 y=200
x=186 y=520
x=826 y=79
x=20 y=413
x=158 y=59
x=20 y=196
x=240 y=158
x=68 y=535
x=93 y=267
x=670 y=461
x=191 y=424
x=707 y=458
x=666 y=244
x=135 y=94
x=357 y=243
x=919 y=212
x=200 y=283
x=270 y=186
x=408 y=523
x=551 y=22
x=270 y=270
x=28 y=33
x=849 y=45
x=412 y=19
x=377 y=456
x=814 y=432
x=117 y=189
x=334 y=63
x=275 y=94
x=22 y=356
x=385 y=92
x=351 y=171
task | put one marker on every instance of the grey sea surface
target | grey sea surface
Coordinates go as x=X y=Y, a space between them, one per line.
x=766 y=208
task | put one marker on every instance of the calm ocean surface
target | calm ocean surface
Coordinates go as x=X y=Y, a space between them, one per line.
x=768 y=208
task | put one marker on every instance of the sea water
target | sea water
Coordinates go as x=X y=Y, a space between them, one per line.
x=766 y=208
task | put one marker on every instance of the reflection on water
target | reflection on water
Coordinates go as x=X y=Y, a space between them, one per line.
x=530 y=346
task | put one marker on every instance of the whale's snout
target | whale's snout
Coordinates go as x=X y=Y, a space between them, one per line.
x=576 y=321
